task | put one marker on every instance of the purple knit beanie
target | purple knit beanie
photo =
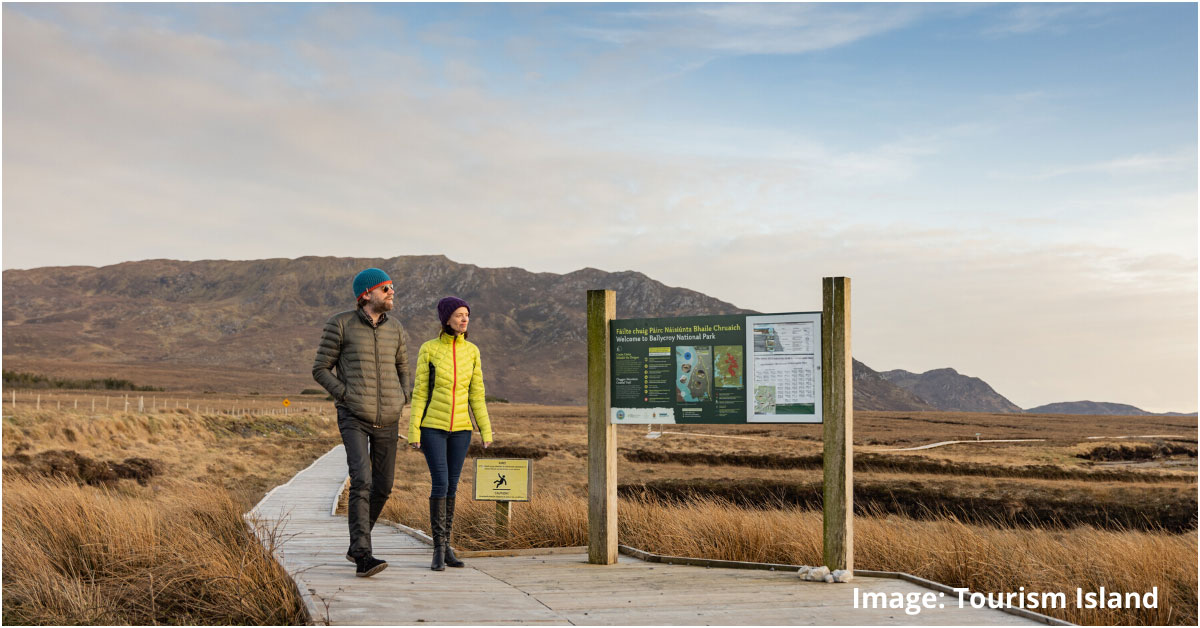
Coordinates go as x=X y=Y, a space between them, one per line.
x=447 y=306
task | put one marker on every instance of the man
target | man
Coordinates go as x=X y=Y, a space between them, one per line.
x=366 y=349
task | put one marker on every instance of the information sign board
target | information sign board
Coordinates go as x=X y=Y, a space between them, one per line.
x=759 y=368
x=503 y=479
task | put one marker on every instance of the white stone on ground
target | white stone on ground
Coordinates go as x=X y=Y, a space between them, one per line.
x=822 y=574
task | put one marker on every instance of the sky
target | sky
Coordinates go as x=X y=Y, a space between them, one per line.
x=1012 y=188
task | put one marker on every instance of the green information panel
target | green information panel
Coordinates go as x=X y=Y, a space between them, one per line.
x=761 y=368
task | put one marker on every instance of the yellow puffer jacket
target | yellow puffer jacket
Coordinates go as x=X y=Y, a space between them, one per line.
x=456 y=368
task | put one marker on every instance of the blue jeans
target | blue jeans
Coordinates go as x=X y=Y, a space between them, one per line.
x=444 y=453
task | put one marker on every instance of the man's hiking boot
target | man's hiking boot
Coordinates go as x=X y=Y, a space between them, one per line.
x=448 y=553
x=369 y=566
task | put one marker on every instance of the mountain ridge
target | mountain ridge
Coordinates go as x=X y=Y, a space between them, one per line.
x=947 y=389
x=210 y=318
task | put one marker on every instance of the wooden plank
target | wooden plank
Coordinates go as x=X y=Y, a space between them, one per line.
x=837 y=392
x=548 y=587
x=602 y=434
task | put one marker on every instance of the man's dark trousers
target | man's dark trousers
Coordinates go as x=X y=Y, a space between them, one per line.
x=371 y=458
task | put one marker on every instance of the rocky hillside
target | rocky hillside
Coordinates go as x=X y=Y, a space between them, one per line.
x=873 y=392
x=948 y=390
x=249 y=325
x=266 y=315
x=244 y=326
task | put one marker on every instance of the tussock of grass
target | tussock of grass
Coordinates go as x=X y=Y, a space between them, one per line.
x=181 y=555
x=982 y=557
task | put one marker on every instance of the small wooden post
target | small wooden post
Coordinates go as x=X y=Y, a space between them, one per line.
x=602 y=434
x=39 y=402
x=837 y=396
x=503 y=517
x=141 y=404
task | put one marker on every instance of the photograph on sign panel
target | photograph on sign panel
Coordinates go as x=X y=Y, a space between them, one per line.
x=729 y=360
x=693 y=377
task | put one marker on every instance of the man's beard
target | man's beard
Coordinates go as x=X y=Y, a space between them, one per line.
x=381 y=306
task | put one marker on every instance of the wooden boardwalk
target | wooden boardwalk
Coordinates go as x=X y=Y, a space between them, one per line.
x=559 y=588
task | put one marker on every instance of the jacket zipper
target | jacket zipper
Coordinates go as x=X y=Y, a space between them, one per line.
x=454 y=386
x=378 y=380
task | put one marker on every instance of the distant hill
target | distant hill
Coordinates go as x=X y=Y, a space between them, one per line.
x=254 y=325
x=267 y=315
x=1097 y=408
x=873 y=392
x=947 y=390
x=245 y=326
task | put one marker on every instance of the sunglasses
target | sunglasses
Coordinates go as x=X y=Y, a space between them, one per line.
x=387 y=287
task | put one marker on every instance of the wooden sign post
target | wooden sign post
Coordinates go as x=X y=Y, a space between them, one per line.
x=837 y=387
x=503 y=518
x=835 y=408
x=602 y=435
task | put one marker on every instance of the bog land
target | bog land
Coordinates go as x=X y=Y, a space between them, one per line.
x=105 y=495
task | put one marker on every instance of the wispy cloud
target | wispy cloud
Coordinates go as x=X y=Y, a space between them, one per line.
x=1131 y=164
x=750 y=28
x=1182 y=160
x=1056 y=18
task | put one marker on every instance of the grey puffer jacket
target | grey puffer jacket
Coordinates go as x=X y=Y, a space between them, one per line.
x=371 y=363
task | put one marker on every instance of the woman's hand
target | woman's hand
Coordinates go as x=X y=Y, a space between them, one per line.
x=486 y=444
x=416 y=445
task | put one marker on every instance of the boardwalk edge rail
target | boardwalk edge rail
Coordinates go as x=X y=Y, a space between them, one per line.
x=899 y=575
x=314 y=616
x=266 y=538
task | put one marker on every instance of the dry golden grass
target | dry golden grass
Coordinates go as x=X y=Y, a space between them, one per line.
x=983 y=558
x=179 y=555
x=175 y=551
x=96 y=562
x=248 y=454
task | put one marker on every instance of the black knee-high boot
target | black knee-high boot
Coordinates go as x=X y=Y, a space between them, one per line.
x=437 y=529
x=451 y=559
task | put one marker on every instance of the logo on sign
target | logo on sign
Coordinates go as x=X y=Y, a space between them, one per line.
x=620 y=415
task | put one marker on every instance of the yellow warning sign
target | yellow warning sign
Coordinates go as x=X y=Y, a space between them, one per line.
x=503 y=479
x=287 y=402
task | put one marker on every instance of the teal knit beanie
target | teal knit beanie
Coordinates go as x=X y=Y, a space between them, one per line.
x=368 y=280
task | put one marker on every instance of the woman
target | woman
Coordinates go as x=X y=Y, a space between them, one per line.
x=449 y=380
